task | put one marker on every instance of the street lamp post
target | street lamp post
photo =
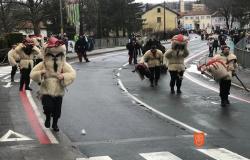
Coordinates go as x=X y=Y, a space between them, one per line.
x=61 y=17
x=164 y=23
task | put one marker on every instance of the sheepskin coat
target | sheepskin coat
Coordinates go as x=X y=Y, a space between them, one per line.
x=153 y=60
x=13 y=57
x=175 y=57
x=49 y=83
x=25 y=59
x=231 y=62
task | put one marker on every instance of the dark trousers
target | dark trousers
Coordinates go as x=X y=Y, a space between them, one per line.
x=176 y=79
x=224 y=89
x=84 y=55
x=13 y=72
x=52 y=106
x=215 y=48
x=132 y=55
x=211 y=51
x=25 y=77
x=154 y=74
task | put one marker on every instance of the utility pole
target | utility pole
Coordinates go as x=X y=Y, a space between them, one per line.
x=61 y=17
x=164 y=23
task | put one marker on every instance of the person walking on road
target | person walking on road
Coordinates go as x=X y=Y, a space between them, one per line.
x=26 y=51
x=81 y=48
x=154 y=60
x=13 y=61
x=175 y=57
x=132 y=47
x=210 y=45
x=53 y=75
x=230 y=62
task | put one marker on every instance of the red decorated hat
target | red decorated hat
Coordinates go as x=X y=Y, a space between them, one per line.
x=54 y=42
x=28 y=41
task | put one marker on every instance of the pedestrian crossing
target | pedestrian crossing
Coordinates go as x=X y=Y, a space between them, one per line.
x=214 y=154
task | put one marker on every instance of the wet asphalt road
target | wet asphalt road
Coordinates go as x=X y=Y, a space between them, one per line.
x=118 y=127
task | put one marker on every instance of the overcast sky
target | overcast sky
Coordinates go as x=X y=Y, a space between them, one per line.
x=156 y=1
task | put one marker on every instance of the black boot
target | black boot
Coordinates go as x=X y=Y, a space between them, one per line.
x=223 y=103
x=47 y=121
x=179 y=91
x=151 y=83
x=54 y=125
x=227 y=101
x=172 y=90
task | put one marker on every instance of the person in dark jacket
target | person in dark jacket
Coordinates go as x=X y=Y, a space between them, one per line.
x=132 y=47
x=81 y=48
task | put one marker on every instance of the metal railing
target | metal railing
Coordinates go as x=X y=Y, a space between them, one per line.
x=110 y=42
x=243 y=56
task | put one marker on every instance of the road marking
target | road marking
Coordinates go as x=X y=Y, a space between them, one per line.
x=19 y=136
x=222 y=154
x=95 y=158
x=36 y=126
x=7 y=77
x=156 y=111
x=48 y=132
x=159 y=156
x=8 y=85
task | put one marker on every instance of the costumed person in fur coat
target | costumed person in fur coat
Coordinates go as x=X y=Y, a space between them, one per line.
x=53 y=75
x=13 y=61
x=175 y=57
x=26 y=52
x=230 y=60
x=154 y=59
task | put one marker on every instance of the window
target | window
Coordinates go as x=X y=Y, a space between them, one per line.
x=158 y=19
x=197 y=17
x=158 y=10
x=208 y=17
x=191 y=17
x=202 y=17
x=186 y=18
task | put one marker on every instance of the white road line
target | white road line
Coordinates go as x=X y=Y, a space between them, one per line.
x=222 y=154
x=19 y=137
x=95 y=158
x=159 y=156
x=7 y=77
x=125 y=64
x=156 y=111
x=8 y=85
x=48 y=132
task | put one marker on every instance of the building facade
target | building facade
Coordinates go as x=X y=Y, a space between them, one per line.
x=219 y=22
x=153 y=19
x=197 y=20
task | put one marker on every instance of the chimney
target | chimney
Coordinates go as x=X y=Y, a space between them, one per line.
x=182 y=6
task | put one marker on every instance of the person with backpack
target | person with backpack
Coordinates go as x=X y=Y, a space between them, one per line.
x=154 y=59
x=230 y=62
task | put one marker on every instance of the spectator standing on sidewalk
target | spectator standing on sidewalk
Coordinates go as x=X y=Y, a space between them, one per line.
x=81 y=48
x=13 y=60
x=26 y=51
x=154 y=60
x=230 y=61
x=248 y=41
x=53 y=75
x=175 y=59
